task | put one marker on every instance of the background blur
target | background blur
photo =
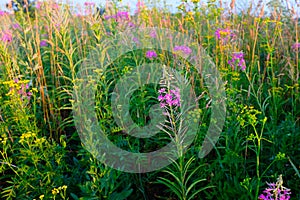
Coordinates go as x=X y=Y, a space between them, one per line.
x=172 y=4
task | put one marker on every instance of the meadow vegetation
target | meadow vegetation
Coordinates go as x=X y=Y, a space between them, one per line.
x=256 y=51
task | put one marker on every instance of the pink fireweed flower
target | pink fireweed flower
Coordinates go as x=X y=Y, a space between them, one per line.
x=46 y=28
x=275 y=192
x=6 y=36
x=88 y=7
x=162 y=90
x=57 y=26
x=139 y=6
x=184 y=49
x=176 y=93
x=55 y=6
x=16 y=26
x=153 y=34
x=224 y=34
x=170 y=99
x=23 y=92
x=220 y=33
x=43 y=43
x=296 y=46
x=135 y=40
x=161 y=97
x=237 y=60
x=131 y=25
x=38 y=5
x=151 y=54
x=106 y=17
x=176 y=102
x=122 y=15
x=2 y=13
x=89 y=3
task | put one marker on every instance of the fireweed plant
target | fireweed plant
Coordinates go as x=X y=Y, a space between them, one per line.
x=276 y=191
x=255 y=48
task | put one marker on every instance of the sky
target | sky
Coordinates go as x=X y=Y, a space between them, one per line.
x=131 y=3
x=172 y=4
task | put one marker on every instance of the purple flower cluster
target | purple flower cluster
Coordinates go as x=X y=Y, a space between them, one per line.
x=184 y=49
x=2 y=13
x=43 y=43
x=16 y=26
x=170 y=99
x=6 y=36
x=89 y=3
x=121 y=15
x=38 y=5
x=237 y=59
x=139 y=6
x=296 y=46
x=275 y=192
x=153 y=34
x=135 y=40
x=108 y=17
x=131 y=24
x=151 y=54
x=23 y=90
x=224 y=34
x=55 y=6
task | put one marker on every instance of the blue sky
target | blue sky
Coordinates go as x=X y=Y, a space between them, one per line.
x=172 y=4
x=131 y=3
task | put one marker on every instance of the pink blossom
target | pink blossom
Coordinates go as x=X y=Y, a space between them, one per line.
x=153 y=34
x=139 y=6
x=2 y=13
x=170 y=99
x=151 y=54
x=38 y=5
x=296 y=46
x=184 y=49
x=237 y=60
x=16 y=26
x=136 y=40
x=130 y=24
x=161 y=97
x=43 y=43
x=89 y=3
x=55 y=6
x=274 y=192
x=122 y=15
x=162 y=90
x=7 y=36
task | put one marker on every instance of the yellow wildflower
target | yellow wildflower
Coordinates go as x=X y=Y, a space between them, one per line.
x=55 y=191
x=189 y=16
x=64 y=187
x=26 y=136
